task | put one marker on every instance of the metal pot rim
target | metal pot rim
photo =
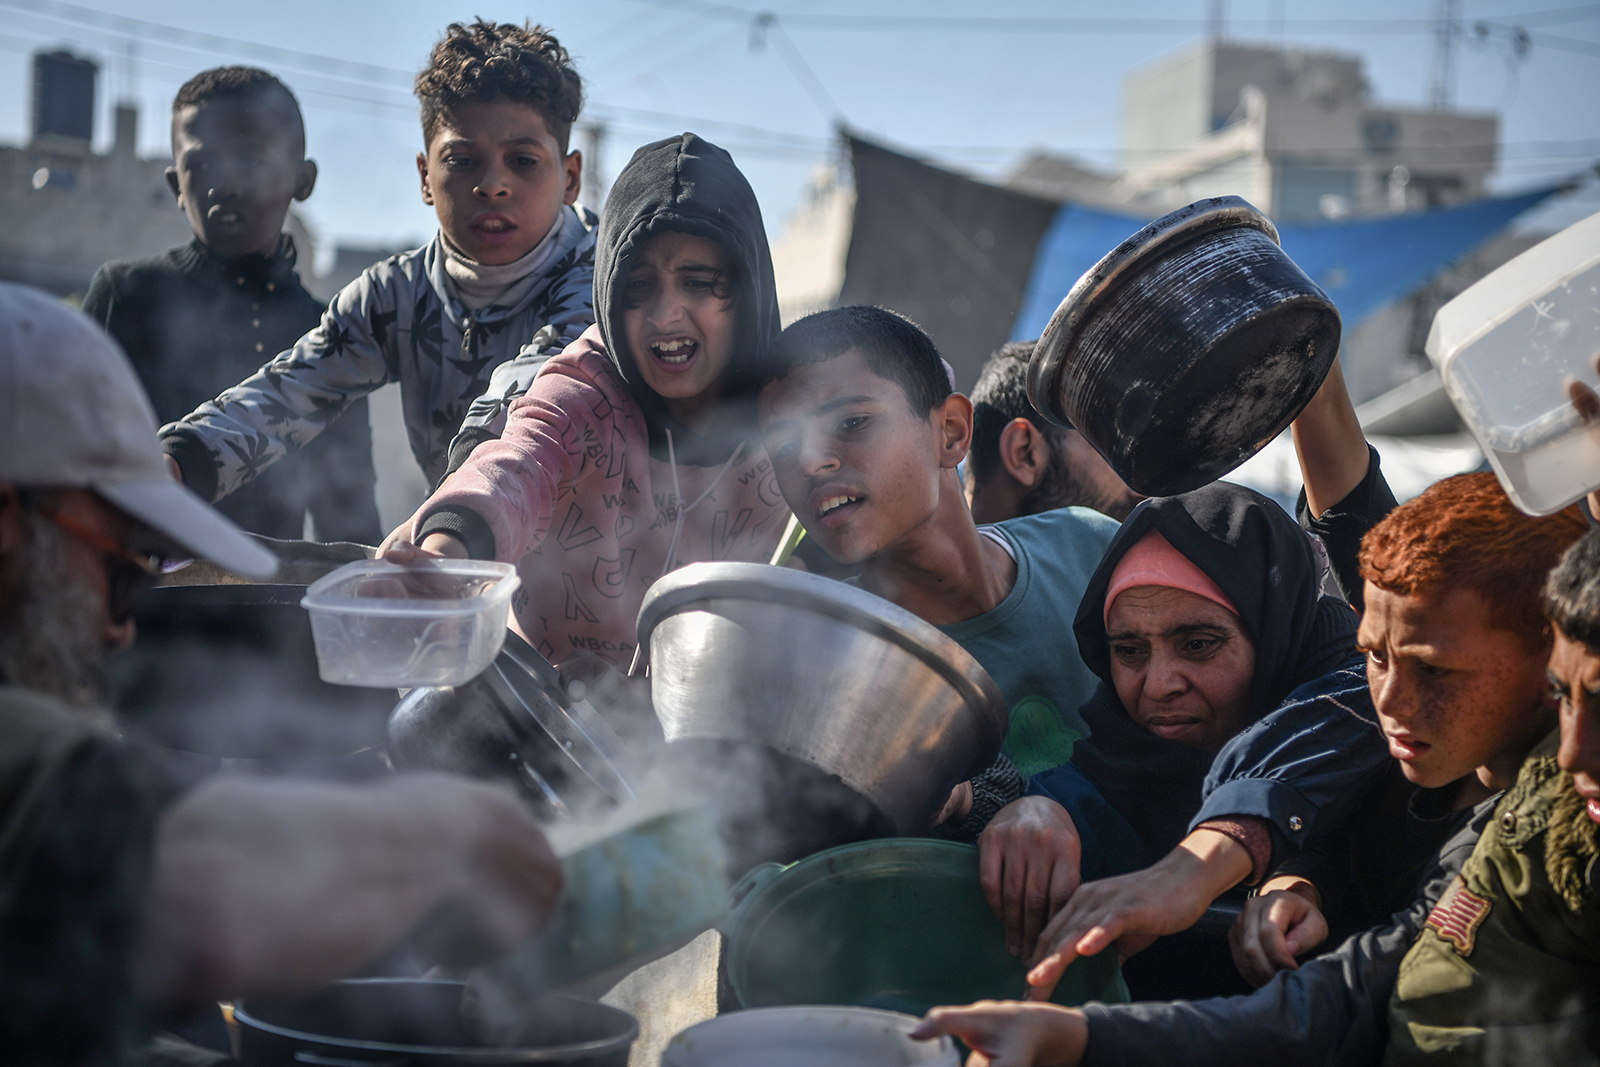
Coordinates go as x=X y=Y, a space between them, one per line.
x=699 y=582
x=1132 y=256
x=525 y=1054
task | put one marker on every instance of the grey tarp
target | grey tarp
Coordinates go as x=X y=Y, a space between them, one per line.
x=950 y=253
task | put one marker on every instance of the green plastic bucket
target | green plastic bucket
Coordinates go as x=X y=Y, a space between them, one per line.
x=899 y=924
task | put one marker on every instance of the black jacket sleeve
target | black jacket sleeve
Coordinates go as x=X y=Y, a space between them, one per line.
x=1341 y=527
x=1333 y=1011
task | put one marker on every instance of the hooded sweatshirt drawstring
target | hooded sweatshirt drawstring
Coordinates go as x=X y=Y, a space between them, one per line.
x=677 y=494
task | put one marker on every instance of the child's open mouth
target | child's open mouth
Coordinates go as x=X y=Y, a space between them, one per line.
x=676 y=352
x=493 y=228
x=838 y=507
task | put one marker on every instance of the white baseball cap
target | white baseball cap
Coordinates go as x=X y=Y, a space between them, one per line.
x=73 y=415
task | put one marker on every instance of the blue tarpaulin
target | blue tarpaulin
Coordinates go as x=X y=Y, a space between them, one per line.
x=1363 y=264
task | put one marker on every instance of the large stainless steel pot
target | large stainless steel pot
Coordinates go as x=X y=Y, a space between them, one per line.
x=825 y=674
x=418 y=1023
x=1187 y=348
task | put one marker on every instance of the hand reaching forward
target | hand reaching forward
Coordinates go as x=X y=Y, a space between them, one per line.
x=397 y=549
x=1028 y=860
x=1012 y=1033
x=1283 y=922
x=1131 y=910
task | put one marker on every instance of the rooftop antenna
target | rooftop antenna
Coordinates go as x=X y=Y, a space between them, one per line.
x=1446 y=33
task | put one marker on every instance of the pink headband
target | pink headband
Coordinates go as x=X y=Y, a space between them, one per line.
x=1153 y=561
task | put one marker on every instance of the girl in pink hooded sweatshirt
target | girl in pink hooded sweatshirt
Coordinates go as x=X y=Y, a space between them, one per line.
x=634 y=451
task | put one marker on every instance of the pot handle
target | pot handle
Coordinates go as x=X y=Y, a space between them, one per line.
x=317 y=1059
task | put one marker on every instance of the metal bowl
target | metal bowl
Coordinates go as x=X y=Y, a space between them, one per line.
x=824 y=673
x=1187 y=348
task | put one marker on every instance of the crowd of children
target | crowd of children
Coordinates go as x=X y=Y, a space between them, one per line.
x=1374 y=780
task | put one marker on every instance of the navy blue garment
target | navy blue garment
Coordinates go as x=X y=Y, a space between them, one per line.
x=1307 y=763
x=1109 y=845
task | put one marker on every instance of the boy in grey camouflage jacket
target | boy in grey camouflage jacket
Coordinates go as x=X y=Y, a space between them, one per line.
x=511 y=271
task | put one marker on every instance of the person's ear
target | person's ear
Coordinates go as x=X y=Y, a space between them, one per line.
x=422 y=172
x=171 y=175
x=574 y=167
x=306 y=181
x=1024 y=452
x=953 y=417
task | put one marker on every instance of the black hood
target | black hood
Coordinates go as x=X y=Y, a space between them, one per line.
x=688 y=185
x=1266 y=564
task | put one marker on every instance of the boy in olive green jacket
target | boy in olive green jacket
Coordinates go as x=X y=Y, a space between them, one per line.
x=1507 y=967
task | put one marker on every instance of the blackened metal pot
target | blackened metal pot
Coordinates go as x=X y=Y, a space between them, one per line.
x=1187 y=348
x=409 y=1022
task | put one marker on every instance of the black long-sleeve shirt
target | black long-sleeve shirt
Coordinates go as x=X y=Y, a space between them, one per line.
x=1333 y=1011
x=194 y=324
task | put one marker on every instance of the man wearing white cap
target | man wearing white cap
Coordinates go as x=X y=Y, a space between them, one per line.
x=127 y=895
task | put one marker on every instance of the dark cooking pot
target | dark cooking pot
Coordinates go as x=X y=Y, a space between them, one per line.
x=230 y=670
x=413 y=1022
x=516 y=722
x=1187 y=348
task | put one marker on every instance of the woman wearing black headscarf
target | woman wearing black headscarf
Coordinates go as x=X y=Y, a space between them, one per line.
x=1271 y=572
x=1231 y=720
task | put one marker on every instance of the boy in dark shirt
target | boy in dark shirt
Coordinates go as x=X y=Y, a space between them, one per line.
x=196 y=319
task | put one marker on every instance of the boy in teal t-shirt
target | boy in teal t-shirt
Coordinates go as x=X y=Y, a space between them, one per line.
x=865 y=434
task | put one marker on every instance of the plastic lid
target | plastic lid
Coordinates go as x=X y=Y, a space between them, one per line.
x=426 y=587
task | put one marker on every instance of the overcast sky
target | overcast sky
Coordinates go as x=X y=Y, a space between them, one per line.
x=953 y=81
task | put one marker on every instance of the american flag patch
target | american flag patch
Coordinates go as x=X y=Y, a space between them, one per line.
x=1458 y=915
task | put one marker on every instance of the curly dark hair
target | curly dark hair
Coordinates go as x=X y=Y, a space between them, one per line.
x=486 y=61
x=1572 y=591
x=238 y=83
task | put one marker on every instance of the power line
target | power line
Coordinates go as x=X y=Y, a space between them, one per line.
x=1025 y=24
x=765 y=26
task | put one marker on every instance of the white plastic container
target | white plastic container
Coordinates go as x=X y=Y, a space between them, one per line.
x=433 y=622
x=1509 y=350
x=810 y=1036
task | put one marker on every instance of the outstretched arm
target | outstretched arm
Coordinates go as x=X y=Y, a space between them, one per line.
x=263 y=888
x=1011 y=1033
x=1130 y=911
x=227 y=442
x=1329 y=444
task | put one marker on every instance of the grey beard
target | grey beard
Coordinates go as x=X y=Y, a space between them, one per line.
x=49 y=630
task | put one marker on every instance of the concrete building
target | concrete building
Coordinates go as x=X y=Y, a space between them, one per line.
x=1295 y=132
x=67 y=208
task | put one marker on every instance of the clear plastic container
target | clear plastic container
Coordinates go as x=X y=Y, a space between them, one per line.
x=433 y=622
x=1512 y=349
